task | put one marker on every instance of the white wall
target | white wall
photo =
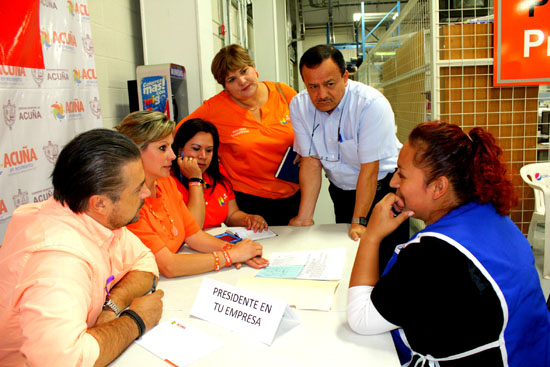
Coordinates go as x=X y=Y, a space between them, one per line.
x=180 y=32
x=270 y=40
x=116 y=33
x=239 y=30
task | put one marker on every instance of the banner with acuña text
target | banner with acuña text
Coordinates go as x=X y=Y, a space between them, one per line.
x=48 y=94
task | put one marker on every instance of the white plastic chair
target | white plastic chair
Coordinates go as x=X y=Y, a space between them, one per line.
x=537 y=175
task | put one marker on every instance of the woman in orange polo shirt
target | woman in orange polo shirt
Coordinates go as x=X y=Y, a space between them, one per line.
x=253 y=122
x=165 y=222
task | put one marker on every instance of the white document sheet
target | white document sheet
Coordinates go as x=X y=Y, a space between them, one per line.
x=326 y=264
x=177 y=343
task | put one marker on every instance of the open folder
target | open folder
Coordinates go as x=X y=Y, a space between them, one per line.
x=302 y=294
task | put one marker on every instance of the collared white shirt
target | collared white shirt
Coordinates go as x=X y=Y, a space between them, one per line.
x=366 y=123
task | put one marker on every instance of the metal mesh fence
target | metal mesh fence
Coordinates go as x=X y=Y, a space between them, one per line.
x=440 y=67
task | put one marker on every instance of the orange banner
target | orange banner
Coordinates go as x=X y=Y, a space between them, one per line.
x=522 y=42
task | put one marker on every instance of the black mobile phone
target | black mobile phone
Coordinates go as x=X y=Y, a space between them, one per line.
x=228 y=237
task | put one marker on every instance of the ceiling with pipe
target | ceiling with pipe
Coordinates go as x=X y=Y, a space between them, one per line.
x=309 y=14
x=340 y=12
x=330 y=15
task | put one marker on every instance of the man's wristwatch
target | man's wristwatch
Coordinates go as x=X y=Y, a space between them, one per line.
x=360 y=220
x=109 y=304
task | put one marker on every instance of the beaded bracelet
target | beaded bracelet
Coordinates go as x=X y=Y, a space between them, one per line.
x=216 y=261
x=228 y=246
x=228 y=261
x=194 y=184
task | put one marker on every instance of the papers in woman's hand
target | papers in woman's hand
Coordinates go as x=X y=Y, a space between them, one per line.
x=325 y=264
x=243 y=233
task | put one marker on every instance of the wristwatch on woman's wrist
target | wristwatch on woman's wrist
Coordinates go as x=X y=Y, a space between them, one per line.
x=360 y=220
x=196 y=179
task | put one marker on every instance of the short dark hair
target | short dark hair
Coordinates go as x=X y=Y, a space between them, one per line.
x=91 y=164
x=188 y=130
x=228 y=59
x=314 y=56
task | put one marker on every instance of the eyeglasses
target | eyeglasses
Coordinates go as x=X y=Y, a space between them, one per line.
x=315 y=126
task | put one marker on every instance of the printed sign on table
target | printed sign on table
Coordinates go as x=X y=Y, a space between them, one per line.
x=241 y=310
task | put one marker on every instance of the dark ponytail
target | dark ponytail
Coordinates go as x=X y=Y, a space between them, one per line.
x=491 y=181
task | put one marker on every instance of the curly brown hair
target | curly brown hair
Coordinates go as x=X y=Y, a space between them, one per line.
x=471 y=162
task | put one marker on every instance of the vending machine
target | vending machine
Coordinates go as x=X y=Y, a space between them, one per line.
x=163 y=88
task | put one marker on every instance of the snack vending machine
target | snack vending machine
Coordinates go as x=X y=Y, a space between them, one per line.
x=163 y=88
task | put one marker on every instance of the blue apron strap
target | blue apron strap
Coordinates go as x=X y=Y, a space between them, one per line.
x=390 y=263
x=403 y=352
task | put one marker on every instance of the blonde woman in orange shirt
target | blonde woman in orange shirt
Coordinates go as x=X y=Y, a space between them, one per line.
x=165 y=222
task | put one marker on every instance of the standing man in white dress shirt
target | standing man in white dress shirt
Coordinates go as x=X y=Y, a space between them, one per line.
x=348 y=129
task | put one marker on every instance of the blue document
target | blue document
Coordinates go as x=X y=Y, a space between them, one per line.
x=290 y=271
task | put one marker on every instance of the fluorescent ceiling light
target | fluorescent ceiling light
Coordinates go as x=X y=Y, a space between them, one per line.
x=371 y=16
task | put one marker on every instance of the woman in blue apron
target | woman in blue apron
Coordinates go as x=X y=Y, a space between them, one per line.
x=464 y=291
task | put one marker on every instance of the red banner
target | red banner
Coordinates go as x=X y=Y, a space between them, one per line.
x=522 y=42
x=20 y=36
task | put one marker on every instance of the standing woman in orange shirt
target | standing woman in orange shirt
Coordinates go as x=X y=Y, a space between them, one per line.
x=254 y=125
x=164 y=222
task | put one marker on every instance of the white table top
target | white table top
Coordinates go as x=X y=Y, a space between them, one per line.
x=321 y=338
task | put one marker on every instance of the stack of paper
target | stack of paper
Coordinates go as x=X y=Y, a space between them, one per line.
x=327 y=264
x=301 y=294
x=295 y=277
x=178 y=344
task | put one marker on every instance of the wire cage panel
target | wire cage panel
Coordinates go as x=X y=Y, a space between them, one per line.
x=442 y=69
